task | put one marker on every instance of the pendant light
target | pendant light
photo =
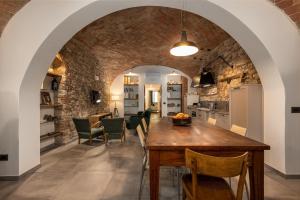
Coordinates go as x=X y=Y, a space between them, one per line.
x=184 y=47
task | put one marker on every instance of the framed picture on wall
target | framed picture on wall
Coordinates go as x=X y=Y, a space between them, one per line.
x=45 y=98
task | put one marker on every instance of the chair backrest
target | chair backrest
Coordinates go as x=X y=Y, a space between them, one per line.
x=141 y=135
x=113 y=125
x=238 y=130
x=82 y=124
x=217 y=167
x=145 y=126
x=147 y=116
x=212 y=121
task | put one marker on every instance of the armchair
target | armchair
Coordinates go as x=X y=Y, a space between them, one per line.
x=135 y=120
x=114 y=128
x=87 y=131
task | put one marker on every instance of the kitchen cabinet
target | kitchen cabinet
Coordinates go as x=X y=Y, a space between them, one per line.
x=223 y=120
x=202 y=114
x=246 y=109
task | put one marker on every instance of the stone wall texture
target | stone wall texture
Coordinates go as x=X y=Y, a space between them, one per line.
x=74 y=91
x=243 y=70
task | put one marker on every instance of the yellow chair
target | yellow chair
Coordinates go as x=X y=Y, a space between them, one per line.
x=206 y=180
x=212 y=121
x=145 y=126
x=241 y=131
x=145 y=159
x=238 y=130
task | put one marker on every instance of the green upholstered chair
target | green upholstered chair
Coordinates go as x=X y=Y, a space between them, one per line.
x=86 y=131
x=147 y=116
x=135 y=120
x=114 y=128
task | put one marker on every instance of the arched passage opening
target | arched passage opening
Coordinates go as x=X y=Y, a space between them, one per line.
x=273 y=51
x=145 y=73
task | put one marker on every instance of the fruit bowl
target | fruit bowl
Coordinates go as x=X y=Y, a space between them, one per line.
x=182 y=119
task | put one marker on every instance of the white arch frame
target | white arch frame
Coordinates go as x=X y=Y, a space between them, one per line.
x=34 y=35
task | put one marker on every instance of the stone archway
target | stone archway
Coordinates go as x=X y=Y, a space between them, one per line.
x=272 y=48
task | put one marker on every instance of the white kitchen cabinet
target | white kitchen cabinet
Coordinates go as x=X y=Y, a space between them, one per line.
x=246 y=109
x=223 y=120
x=202 y=114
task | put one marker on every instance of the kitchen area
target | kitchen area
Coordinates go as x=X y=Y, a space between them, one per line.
x=229 y=91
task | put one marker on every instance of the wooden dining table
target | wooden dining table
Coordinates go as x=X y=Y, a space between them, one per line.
x=167 y=143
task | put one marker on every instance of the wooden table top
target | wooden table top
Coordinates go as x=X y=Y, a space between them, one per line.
x=101 y=114
x=163 y=135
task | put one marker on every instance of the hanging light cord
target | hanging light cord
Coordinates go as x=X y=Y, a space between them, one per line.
x=181 y=16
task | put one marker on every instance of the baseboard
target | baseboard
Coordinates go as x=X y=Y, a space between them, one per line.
x=287 y=176
x=16 y=178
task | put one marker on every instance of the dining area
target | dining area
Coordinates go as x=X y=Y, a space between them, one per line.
x=207 y=155
x=121 y=171
x=202 y=157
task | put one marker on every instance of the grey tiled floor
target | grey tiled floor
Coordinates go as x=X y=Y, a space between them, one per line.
x=83 y=172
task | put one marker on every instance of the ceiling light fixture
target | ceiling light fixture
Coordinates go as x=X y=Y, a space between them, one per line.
x=184 y=47
x=173 y=74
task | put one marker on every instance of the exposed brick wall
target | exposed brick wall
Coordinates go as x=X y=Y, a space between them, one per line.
x=75 y=86
x=9 y=7
x=144 y=35
x=291 y=8
x=236 y=56
x=7 y=10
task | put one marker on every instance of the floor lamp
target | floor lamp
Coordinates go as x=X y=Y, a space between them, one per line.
x=115 y=98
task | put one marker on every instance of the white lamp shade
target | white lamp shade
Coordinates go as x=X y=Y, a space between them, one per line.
x=184 y=47
x=184 y=50
x=115 y=97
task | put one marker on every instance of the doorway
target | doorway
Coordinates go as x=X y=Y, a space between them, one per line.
x=153 y=99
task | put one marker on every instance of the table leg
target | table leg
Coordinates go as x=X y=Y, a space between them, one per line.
x=256 y=176
x=154 y=174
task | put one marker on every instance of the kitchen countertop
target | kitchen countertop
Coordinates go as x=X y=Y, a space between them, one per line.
x=222 y=112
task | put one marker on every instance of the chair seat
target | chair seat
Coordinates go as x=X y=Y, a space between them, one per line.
x=209 y=188
x=97 y=131
x=115 y=135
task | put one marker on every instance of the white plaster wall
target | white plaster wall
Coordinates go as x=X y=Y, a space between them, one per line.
x=28 y=45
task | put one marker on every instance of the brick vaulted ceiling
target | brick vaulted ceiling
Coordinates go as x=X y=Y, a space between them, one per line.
x=7 y=10
x=144 y=36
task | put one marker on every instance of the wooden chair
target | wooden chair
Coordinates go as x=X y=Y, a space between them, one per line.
x=145 y=159
x=212 y=121
x=206 y=181
x=145 y=126
x=238 y=130
x=241 y=131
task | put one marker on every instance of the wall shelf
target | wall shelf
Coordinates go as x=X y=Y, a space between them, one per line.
x=47 y=122
x=207 y=95
x=131 y=85
x=50 y=135
x=51 y=106
x=228 y=79
x=54 y=75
